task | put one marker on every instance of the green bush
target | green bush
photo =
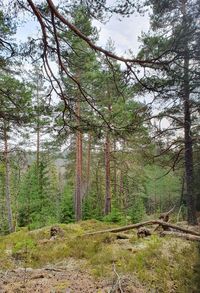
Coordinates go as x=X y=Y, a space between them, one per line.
x=115 y=216
x=137 y=212
x=67 y=209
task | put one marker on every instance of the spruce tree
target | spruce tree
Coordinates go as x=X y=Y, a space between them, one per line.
x=15 y=106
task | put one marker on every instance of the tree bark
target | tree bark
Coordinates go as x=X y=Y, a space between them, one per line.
x=88 y=162
x=78 y=183
x=100 y=199
x=191 y=211
x=107 y=174
x=115 y=170
x=38 y=132
x=7 y=181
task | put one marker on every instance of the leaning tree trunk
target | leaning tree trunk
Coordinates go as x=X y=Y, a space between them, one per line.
x=78 y=183
x=192 y=219
x=7 y=182
x=107 y=174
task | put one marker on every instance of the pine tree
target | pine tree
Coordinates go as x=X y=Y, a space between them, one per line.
x=174 y=40
x=80 y=59
x=7 y=47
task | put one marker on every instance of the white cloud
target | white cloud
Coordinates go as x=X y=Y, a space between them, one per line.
x=124 y=33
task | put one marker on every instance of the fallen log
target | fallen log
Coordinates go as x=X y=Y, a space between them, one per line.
x=138 y=225
x=181 y=235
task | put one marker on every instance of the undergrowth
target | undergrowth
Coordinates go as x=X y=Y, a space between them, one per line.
x=160 y=264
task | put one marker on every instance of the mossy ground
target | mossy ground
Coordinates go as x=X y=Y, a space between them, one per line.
x=160 y=264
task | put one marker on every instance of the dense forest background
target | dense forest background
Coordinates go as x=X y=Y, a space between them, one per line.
x=87 y=134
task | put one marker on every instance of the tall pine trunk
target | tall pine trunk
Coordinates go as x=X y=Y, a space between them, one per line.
x=107 y=174
x=7 y=181
x=38 y=134
x=121 y=189
x=192 y=219
x=99 y=186
x=88 y=162
x=115 y=170
x=188 y=147
x=78 y=183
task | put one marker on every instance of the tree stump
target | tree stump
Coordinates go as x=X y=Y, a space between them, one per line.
x=56 y=231
x=143 y=232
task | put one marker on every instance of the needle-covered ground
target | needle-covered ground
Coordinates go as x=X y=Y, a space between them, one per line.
x=73 y=262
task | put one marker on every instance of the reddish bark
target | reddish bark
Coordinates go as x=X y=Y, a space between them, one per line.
x=78 y=183
x=88 y=162
x=115 y=171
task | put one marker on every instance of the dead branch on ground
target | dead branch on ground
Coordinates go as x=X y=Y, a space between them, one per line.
x=138 y=225
x=181 y=235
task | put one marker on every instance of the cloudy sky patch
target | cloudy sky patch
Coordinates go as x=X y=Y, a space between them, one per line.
x=124 y=33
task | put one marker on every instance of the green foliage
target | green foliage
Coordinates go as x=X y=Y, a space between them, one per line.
x=38 y=196
x=15 y=100
x=137 y=212
x=91 y=209
x=115 y=216
x=162 y=191
x=67 y=209
x=7 y=46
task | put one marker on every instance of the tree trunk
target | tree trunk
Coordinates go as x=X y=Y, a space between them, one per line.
x=88 y=162
x=115 y=170
x=38 y=132
x=122 y=199
x=100 y=200
x=38 y=147
x=188 y=151
x=107 y=173
x=78 y=184
x=191 y=217
x=7 y=182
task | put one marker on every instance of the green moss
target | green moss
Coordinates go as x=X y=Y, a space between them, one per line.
x=165 y=265
x=160 y=264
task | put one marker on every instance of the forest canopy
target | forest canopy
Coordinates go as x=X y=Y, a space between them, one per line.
x=88 y=133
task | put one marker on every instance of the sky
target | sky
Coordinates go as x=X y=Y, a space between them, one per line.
x=124 y=32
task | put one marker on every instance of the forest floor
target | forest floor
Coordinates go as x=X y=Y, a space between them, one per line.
x=67 y=277
x=74 y=262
